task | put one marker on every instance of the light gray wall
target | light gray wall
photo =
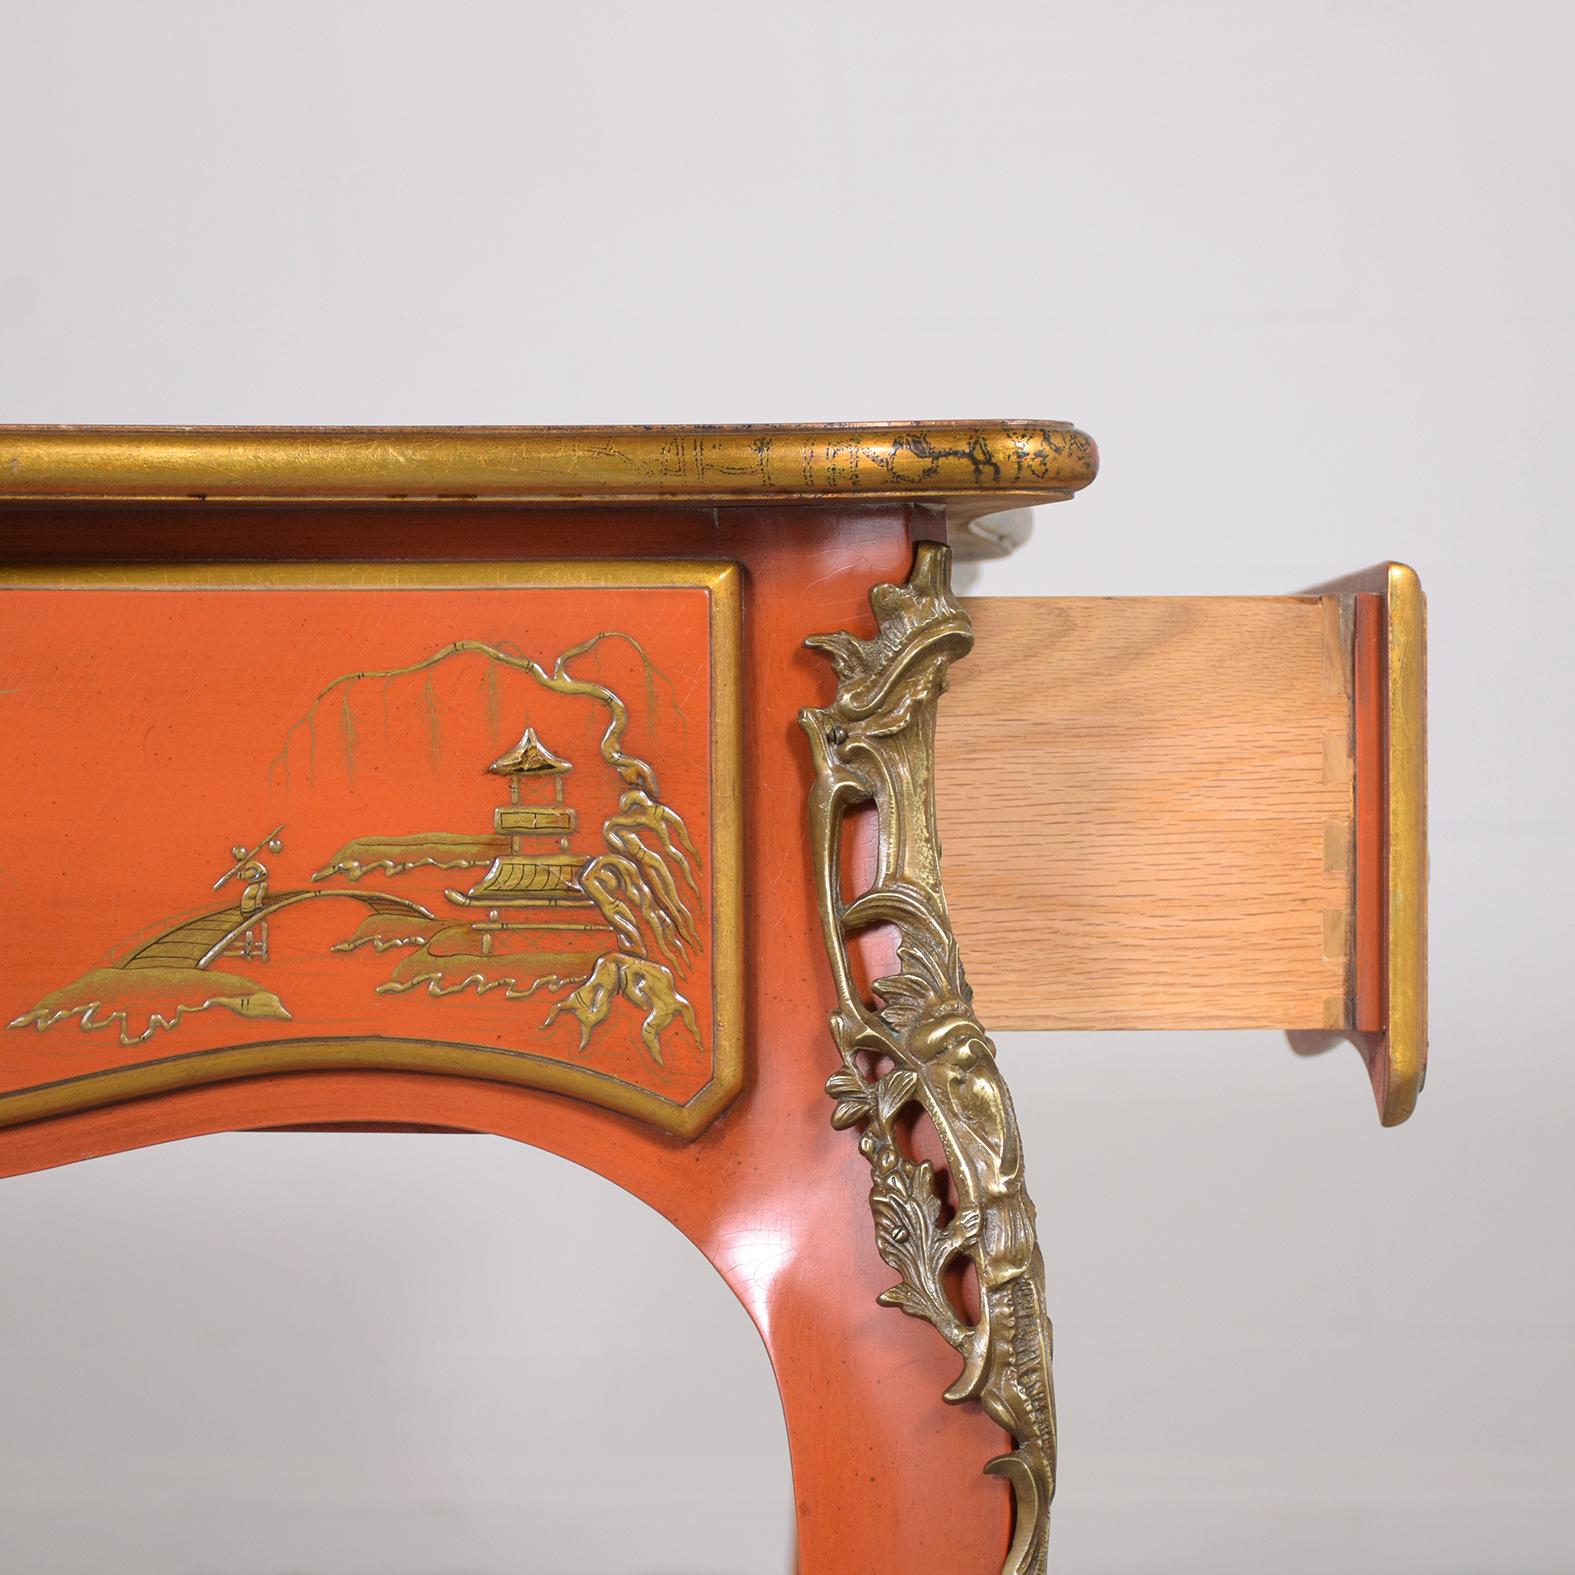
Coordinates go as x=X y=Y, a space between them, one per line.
x=1304 y=270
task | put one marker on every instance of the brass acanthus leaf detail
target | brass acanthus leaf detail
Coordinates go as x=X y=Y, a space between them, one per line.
x=919 y=1041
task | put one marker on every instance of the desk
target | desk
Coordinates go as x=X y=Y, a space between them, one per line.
x=588 y=787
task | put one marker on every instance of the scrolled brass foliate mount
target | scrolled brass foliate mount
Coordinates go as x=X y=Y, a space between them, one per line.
x=920 y=1043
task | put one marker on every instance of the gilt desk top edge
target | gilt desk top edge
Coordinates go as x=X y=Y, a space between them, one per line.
x=971 y=469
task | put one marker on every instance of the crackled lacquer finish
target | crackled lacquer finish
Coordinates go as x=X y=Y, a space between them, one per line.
x=364 y=820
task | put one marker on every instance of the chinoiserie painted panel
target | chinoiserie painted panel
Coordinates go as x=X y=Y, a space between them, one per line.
x=453 y=819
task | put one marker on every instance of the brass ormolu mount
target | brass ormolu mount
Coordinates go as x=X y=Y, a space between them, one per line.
x=920 y=1042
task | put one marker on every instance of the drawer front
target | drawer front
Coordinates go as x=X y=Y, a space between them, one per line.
x=480 y=820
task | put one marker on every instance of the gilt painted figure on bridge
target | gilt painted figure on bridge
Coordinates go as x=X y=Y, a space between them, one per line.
x=253 y=875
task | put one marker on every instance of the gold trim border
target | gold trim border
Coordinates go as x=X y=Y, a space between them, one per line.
x=1405 y=877
x=96 y=1090
x=974 y=466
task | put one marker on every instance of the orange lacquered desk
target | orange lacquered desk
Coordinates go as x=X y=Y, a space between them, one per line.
x=484 y=781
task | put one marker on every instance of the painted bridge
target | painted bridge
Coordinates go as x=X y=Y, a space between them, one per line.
x=200 y=941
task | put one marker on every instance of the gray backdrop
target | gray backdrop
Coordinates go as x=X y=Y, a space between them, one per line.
x=1304 y=271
